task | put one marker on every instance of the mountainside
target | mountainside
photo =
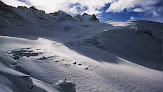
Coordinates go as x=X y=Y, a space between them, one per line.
x=23 y=16
x=39 y=49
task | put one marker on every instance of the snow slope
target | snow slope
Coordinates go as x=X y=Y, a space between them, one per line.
x=15 y=78
x=56 y=61
x=136 y=41
x=114 y=56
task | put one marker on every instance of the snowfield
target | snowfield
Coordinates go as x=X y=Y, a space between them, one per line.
x=57 y=61
x=60 y=53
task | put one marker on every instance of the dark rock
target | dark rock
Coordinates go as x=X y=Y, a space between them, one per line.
x=94 y=18
x=74 y=63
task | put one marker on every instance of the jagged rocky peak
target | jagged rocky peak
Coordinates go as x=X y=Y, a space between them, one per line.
x=94 y=18
x=85 y=14
x=22 y=7
x=2 y=4
x=78 y=18
x=90 y=17
x=62 y=16
x=60 y=13
x=23 y=15
x=32 y=8
x=7 y=11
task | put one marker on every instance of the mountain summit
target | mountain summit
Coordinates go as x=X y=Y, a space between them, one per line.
x=32 y=16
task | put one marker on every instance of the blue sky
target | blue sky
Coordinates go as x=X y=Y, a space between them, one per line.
x=121 y=10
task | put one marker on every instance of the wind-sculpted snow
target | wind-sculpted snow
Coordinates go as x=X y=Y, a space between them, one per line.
x=57 y=62
x=16 y=54
x=14 y=77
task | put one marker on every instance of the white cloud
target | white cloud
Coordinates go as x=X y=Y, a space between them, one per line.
x=132 y=18
x=51 y=5
x=146 y=6
x=120 y=5
x=14 y=3
x=137 y=10
x=92 y=6
x=74 y=10
x=88 y=6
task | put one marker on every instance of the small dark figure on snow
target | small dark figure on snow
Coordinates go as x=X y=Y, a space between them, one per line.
x=65 y=80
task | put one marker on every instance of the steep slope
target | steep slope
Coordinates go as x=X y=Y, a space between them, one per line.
x=30 y=19
x=23 y=16
x=136 y=41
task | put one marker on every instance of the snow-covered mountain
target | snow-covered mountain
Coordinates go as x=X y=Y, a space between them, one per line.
x=22 y=16
x=59 y=53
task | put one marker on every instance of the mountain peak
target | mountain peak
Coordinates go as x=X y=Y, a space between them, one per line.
x=23 y=15
x=94 y=18
x=84 y=14
x=2 y=5
x=33 y=8
x=59 y=13
x=22 y=7
x=90 y=17
x=62 y=16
